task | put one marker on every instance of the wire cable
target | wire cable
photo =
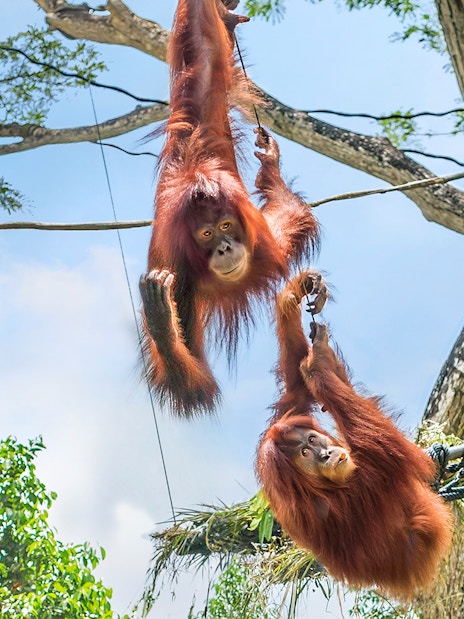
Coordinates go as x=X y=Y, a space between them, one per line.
x=134 y=313
x=247 y=78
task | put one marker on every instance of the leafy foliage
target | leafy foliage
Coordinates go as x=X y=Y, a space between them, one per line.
x=459 y=128
x=245 y=532
x=267 y=9
x=261 y=518
x=238 y=597
x=11 y=199
x=420 y=18
x=370 y=605
x=425 y=25
x=40 y=577
x=431 y=432
x=28 y=90
x=400 y=8
x=398 y=130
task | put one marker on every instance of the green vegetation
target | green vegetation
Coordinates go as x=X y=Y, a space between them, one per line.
x=40 y=577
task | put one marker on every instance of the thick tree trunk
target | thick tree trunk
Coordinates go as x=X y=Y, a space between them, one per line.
x=451 y=14
x=446 y=599
x=446 y=402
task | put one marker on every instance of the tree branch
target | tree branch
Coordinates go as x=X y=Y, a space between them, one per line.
x=376 y=156
x=446 y=402
x=35 y=136
x=15 y=225
x=118 y=25
x=442 y=204
x=105 y=225
x=436 y=180
x=451 y=15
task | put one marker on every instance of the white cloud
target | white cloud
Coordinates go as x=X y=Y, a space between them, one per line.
x=68 y=372
x=129 y=552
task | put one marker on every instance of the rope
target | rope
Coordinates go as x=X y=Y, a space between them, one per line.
x=134 y=313
x=247 y=78
x=77 y=76
x=453 y=490
x=310 y=306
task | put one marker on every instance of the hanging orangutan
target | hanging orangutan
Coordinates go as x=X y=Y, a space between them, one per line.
x=362 y=502
x=213 y=254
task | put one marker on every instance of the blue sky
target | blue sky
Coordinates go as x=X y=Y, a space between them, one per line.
x=68 y=368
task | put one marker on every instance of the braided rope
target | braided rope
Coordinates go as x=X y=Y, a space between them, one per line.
x=454 y=489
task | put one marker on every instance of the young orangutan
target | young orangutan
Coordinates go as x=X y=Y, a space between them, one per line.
x=362 y=502
x=213 y=254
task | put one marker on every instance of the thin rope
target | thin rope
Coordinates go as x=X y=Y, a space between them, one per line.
x=246 y=77
x=310 y=304
x=134 y=313
x=310 y=310
x=82 y=78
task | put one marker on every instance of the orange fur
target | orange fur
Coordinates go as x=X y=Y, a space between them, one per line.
x=384 y=526
x=199 y=182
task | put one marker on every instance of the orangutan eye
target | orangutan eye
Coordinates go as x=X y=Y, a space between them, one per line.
x=225 y=225
x=205 y=233
x=304 y=452
x=311 y=439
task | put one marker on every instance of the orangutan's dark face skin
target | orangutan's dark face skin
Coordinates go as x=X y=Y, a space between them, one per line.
x=317 y=455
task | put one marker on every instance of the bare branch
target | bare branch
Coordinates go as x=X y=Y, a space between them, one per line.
x=117 y=25
x=148 y=222
x=106 y=225
x=35 y=136
x=436 y=180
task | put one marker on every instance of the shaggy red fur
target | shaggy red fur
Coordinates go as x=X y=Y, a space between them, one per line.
x=377 y=522
x=200 y=196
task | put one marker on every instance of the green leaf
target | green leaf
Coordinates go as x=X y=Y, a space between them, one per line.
x=265 y=527
x=29 y=84
x=398 y=130
x=41 y=578
x=10 y=198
